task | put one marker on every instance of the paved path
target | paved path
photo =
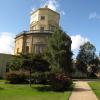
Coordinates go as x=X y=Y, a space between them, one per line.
x=82 y=91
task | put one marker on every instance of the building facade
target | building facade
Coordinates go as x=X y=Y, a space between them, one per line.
x=4 y=59
x=43 y=22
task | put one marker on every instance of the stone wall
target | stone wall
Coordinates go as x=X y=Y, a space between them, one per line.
x=4 y=58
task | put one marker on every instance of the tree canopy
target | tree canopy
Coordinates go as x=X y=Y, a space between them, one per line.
x=59 y=51
x=86 y=59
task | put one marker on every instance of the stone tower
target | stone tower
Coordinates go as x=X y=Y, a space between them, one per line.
x=43 y=22
x=44 y=19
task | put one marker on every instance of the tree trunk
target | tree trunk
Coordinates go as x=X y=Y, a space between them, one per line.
x=30 y=77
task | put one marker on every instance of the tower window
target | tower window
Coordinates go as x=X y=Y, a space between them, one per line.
x=39 y=48
x=41 y=28
x=52 y=28
x=42 y=17
x=28 y=42
x=27 y=49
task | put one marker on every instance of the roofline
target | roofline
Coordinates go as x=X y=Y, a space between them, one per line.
x=44 y=9
x=28 y=33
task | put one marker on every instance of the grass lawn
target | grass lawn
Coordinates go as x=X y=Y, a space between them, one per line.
x=24 y=92
x=2 y=80
x=96 y=88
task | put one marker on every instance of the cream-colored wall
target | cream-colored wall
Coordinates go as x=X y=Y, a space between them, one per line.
x=4 y=58
x=43 y=22
x=18 y=44
x=28 y=39
x=34 y=17
x=40 y=40
x=51 y=18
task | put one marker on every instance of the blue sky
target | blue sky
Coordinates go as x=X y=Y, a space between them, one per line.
x=79 y=18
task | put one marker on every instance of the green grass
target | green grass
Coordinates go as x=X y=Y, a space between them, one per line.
x=24 y=92
x=2 y=80
x=96 y=88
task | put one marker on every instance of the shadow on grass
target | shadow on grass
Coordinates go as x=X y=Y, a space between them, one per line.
x=1 y=88
x=46 y=88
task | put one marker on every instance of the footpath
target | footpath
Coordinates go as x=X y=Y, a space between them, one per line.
x=82 y=91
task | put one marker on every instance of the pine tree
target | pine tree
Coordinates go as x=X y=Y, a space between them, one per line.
x=59 y=52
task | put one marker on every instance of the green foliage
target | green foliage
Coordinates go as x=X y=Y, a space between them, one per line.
x=33 y=62
x=81 y=66
x=94 y=67
x=29 y=62
x=60 y=82
x=40 y=78
x=17 y=77
x=86 y=53
x=86 y=59
x=59 y=52
x=40 y=64
x=14 y=64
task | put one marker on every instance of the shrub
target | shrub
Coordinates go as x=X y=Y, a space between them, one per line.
x=37 y=78
x=16 y=77
x=93 y=76
x=60 y=82
x=1 y=77
x=40 y=78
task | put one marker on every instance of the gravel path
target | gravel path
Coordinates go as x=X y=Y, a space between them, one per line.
x=82 y=91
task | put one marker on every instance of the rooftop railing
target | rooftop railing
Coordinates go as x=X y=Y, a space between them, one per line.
x=34 y=31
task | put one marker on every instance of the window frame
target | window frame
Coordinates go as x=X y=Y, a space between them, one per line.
x=42 y=17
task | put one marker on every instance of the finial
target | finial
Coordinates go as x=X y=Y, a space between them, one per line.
x=46 y=6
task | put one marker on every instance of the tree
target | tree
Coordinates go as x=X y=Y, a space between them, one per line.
x=59 y=52
x=86 y=57
x=94 y=66
x=30 y=63
x=14 y=64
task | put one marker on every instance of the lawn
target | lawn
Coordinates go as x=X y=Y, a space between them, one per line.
x=96 y=88
x=24 y=92
x=2 y=80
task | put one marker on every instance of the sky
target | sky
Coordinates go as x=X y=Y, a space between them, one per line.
x=80 y=19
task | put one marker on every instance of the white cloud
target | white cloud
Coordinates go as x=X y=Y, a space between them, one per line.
x=33 y=9
x=62 y=13
x=77 y=41
x=54 y=5
x=6 y=42
x=94 y=15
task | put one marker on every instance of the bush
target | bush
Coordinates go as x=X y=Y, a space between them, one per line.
x=93 y=76
x=16 y=77
x=60 y=82
x=40 y=78
x=1 y=77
